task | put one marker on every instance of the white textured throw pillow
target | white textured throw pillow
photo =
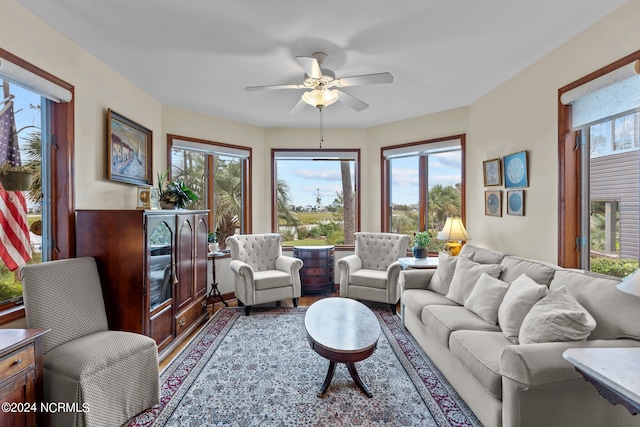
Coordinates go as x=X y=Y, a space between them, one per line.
x=486 y=296
x=521 y=296
x=441 y=279
x=466 y=276
x=556 y=317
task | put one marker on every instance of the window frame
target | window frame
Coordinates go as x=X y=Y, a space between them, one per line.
x=570 y=170
x=63 y=233
x=423 y=177
x=274 y=196
x=246 y=223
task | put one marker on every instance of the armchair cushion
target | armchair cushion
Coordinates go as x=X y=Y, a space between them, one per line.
x=369 y=278
x=271 y=279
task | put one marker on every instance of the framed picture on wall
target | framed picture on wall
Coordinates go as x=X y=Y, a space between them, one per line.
x=493 y=202
x=515 y=170
x=492 y=172
x=128 y=151
x=515 y=202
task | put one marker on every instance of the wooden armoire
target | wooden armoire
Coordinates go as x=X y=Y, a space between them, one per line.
x=153 y=268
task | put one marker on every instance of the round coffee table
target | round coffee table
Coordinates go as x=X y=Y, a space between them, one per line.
x=344 y=331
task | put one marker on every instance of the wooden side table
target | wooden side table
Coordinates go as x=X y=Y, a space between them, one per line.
x=21 y=369
x=316 y=275
x=215 y=291
x=612 y=371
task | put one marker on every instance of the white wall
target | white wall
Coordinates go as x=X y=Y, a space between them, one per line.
x=97 y=88
x=519 y=115
x=522 y=115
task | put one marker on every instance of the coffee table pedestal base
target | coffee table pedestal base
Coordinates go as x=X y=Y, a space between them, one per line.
x=354 y=374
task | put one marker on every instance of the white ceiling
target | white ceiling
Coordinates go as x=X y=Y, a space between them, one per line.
x=201 y=54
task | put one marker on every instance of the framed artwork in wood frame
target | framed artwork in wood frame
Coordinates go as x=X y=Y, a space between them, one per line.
x=493 y=202
x=129 y=151
x=515 y=202
x=515 y=170
x=492 y=172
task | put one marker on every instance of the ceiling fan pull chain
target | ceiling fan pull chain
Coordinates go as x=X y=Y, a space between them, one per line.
x=321 y=127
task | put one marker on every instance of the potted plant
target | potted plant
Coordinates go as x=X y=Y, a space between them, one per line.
x=15 y=178
x=175 y=194
x=212 y=238
x=421 y=244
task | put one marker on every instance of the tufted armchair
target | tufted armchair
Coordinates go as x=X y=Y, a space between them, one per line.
x=261 y=273
x=372 y=272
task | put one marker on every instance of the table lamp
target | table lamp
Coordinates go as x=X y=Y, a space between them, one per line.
x=631 y=284
x=453 y=231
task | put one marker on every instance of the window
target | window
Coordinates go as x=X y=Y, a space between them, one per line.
x=219 y=175
x=315 y=198
x=600 y=215
x=423 y=184
x=44 y=123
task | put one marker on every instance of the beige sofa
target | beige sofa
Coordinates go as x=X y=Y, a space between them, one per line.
x=513 y=384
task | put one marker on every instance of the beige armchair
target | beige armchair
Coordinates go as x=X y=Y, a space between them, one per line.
x=109 y=375
x=261 y=273
x=372 y=272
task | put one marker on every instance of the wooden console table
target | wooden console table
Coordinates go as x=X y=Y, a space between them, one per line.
x=612 y=371
x=21 y=369
x=316 y=276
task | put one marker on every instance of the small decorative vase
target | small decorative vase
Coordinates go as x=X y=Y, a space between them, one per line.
x=420 y=252
x=213 y=247
x=167 y=205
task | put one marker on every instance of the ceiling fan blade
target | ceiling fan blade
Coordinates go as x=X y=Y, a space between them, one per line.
x=298 y=107
x=365 y=79
x=311 y=66
x=352 y=101
x=272 y=87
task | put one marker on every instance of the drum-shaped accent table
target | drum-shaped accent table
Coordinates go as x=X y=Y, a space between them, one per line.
x=344 y=331
x=316 y=275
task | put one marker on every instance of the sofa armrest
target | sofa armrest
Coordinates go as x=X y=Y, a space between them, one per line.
x=415 y=279
x=542 y=363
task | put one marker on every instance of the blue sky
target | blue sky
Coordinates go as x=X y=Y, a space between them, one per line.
x=306 y=177
x=24 y=114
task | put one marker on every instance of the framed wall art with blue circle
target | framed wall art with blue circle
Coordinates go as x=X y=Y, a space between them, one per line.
x=515 y=202
x=515 y=170
x=493 y=202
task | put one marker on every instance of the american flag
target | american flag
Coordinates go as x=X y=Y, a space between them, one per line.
x=15 y=248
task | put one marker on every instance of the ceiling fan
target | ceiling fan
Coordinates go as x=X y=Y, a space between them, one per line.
x=320 y=83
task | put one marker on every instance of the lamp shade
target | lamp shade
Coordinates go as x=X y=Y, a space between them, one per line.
x=320 y=97
x=453 y=230
x=631 y=285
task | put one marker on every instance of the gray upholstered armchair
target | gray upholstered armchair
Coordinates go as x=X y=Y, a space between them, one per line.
x=372 y=272
x=110 y=375
x=261 y=273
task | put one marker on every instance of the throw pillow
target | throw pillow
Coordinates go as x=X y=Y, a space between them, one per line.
x=441 y=279
x=486 y=296
x=466 y=276
x=518 y=301
x=556 y=317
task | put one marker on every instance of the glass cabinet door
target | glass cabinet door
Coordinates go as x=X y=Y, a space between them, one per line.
x=160 y=243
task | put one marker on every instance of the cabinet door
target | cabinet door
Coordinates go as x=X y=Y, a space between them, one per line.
x=202 y=251
x=21 y=389
x=160 y=277
x=185 y=247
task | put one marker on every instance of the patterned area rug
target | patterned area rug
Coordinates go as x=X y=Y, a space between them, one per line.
x=260 y=371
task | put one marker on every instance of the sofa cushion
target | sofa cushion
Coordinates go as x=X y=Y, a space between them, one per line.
x=479 y=352
x=520 y=297
x=415 y=300
x=369 y=278
x=271 y=279
x=513 y=267
x=481 y=255
x=486 y=296
x=617 y=314
x=442 y=320
x=556 y=317
x=466 y=275
x=441 y=280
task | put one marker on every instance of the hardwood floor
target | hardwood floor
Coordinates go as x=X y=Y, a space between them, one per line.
x=304 y=301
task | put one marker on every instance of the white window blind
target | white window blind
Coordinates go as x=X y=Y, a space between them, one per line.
x=33 y=82
x=422 y=149
x=210 y=149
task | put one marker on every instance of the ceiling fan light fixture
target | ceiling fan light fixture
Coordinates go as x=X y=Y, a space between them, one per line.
x=320 y=97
